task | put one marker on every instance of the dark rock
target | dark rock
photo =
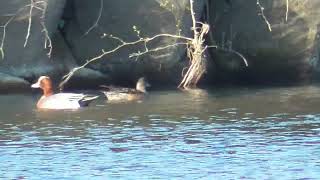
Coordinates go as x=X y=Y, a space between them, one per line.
x=120 y=18
x=12 y=84
x=31 y=61
x=87 y=78
x=284 y=54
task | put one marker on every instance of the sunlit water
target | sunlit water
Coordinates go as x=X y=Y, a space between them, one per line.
x=232 y=133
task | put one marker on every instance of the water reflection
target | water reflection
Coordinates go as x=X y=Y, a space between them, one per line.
x=235 y=133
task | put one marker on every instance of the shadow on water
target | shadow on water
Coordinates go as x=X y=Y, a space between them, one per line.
x=224 y=133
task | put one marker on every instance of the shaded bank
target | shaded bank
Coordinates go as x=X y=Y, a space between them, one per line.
x=78 y=30
x=287 y=53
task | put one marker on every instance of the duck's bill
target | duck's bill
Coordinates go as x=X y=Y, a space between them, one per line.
x=35 y=85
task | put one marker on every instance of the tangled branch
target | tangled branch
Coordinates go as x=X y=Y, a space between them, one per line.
x=121 y=45
x=195 y=50
x=34 y=4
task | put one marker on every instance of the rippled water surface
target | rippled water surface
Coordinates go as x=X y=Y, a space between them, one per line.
x=232 y=133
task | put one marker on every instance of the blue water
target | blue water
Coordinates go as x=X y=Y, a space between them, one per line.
x=233 y=133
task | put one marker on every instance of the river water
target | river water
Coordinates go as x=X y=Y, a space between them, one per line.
x=221 y=133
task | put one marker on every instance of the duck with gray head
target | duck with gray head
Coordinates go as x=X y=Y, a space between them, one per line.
x=122 y=94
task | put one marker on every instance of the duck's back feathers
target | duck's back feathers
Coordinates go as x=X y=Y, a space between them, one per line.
x=86 y=100
x=116 y=96
x=117 y=89
x=121 y=94
x=65 y=101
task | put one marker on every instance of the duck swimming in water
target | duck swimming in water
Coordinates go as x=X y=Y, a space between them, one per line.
x=49 y=100
x=120 y=94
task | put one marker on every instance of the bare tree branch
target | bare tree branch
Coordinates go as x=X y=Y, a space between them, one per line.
x=195 y=51
x=34 y=4
x=123 y=44
x=161 y=48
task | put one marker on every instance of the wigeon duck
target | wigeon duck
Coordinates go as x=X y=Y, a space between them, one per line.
x=61 y=100
x=120 y=94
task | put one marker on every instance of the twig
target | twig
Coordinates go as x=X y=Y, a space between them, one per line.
x=97 y=20
x=287 y=10
x=47 y=41
x=195 y=32
x=195 y=50
x=161 y=48
x=4 y=30
x=263 y=16
x=240 y=55
x=34 y=4
x=29 y=24
x=122 y=44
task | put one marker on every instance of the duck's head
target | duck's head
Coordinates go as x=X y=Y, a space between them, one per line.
x=142 y=85
x=45 y=83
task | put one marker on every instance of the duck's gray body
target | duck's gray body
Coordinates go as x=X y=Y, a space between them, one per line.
x=120 y=94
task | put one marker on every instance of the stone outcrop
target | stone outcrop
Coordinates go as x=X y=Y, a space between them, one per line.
x=81 y=29
x=287 y=53
x=123 y=19
x=32 y=60
x=25 y=64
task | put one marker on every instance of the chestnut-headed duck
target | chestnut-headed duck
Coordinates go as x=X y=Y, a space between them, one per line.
x=120 y=94
x=49 y=100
